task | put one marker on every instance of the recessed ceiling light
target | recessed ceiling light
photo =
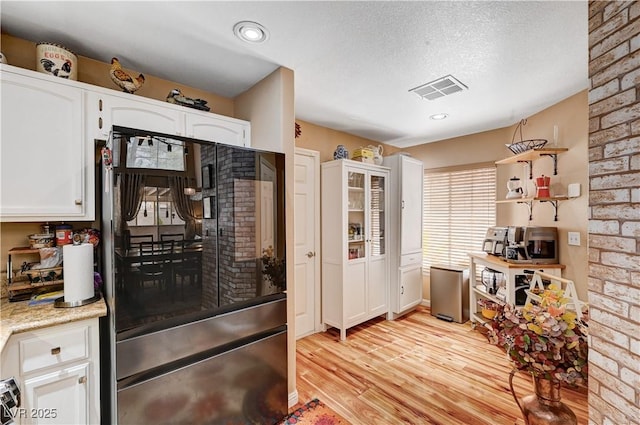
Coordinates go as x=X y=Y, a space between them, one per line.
x=438 y=117
x=251 y=32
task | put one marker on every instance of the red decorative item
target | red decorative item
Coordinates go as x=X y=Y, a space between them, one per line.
x=542 y=186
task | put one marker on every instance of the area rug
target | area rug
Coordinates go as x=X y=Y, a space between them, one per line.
x=314 y=412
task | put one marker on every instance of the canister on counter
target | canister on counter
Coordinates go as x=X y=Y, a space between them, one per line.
x=63 y=234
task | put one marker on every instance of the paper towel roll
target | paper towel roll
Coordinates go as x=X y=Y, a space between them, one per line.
x=78 y=272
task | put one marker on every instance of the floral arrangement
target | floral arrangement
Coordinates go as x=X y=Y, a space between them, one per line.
x=273 y=268
x=545 y=338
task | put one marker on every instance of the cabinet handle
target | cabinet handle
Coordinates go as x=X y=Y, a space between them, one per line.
x=78 y=202
x=311 y=254
x=100 y=123
x=100 y=106
x=401 y=290
x=55 y=351
x=82 y=380
x=402 y=204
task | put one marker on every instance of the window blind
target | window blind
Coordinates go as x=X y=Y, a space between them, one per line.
x=458 y=207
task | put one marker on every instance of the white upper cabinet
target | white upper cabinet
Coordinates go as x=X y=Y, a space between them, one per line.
x=410 y=206
x=125 y=110
x=217 y=128
x=46 y=164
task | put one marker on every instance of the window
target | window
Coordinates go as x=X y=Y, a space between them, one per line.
x=164 y=154
x=458 y=208
x=157 y=209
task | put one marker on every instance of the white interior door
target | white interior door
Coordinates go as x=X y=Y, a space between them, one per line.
x=307 y=241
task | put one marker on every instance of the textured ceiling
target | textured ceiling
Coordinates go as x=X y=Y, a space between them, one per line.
x=354 y=62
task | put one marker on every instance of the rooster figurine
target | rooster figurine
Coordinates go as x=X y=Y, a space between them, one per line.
x=123 y=80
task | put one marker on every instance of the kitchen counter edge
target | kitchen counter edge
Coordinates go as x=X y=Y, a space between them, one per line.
x=17 y=317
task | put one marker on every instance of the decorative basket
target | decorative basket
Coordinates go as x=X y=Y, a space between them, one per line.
x=526 y=145
x=363 y=155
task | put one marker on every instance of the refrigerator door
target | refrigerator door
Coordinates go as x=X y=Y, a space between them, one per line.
x=139 y=354
x=197 y=227
x=246 y=385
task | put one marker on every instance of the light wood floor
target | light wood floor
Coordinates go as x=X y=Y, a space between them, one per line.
x=415 y=370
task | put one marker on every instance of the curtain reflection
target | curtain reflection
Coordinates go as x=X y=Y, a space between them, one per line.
x=132 y=193
x=185 y=207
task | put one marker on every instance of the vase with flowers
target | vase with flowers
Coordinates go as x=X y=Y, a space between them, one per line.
x=548 y=340
x=273 y=269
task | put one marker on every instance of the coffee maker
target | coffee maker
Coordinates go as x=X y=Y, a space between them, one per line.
x=532 y=244
x=495 y=241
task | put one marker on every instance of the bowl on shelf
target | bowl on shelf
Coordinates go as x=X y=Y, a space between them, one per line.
x=41 y=241
x=526 y=145
x=489 y=308
x=489 y=314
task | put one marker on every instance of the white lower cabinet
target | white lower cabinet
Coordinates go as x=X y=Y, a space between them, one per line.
x=410 y=288
x=355 y=274
x=57 y=370
x=46 y=168
x=59 y=397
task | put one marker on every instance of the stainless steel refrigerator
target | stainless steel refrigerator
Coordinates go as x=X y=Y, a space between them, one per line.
x=194 y=273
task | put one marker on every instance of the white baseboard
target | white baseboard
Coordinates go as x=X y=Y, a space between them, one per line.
x=293 y=398
x=426 y=303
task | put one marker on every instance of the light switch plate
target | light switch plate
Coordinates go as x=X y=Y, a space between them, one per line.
x=574 y=238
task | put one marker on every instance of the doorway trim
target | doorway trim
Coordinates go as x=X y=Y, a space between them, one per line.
x=315 y=155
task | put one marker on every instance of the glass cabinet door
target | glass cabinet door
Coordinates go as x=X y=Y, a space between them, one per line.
x=356 y=206
x=377 y=215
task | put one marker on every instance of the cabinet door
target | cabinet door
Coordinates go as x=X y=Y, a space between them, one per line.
x=106 y=111
x=410 y=287
x=376 y=202
x=357 y=225
x=59 y=397
x=377 y=286
x=218 y=129
x=45 y=165
x=411 y=206
x=355 y=293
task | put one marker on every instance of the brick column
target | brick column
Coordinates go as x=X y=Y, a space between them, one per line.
x=614 y=202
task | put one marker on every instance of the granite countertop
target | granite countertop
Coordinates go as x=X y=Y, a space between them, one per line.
x=19 y=317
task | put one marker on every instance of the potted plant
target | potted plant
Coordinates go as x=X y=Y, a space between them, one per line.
x=548 y=340
x=273 y=268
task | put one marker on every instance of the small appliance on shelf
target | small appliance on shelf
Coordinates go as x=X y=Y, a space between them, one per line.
x=514 y=187
x=495 y=240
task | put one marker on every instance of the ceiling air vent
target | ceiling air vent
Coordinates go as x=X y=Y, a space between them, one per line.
x=441 y=87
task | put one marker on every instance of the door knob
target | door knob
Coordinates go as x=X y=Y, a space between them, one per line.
x=311 y=254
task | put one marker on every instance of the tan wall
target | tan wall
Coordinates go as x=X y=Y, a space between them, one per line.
x=22 y=53
x=571 y=117
x=325 y=141
x=614 y=228
x=269 y=105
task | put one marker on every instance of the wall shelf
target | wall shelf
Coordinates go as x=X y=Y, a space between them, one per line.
x=532 y=154
x=529 y=203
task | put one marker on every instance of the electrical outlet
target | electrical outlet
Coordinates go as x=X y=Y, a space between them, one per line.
x=574 y=238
